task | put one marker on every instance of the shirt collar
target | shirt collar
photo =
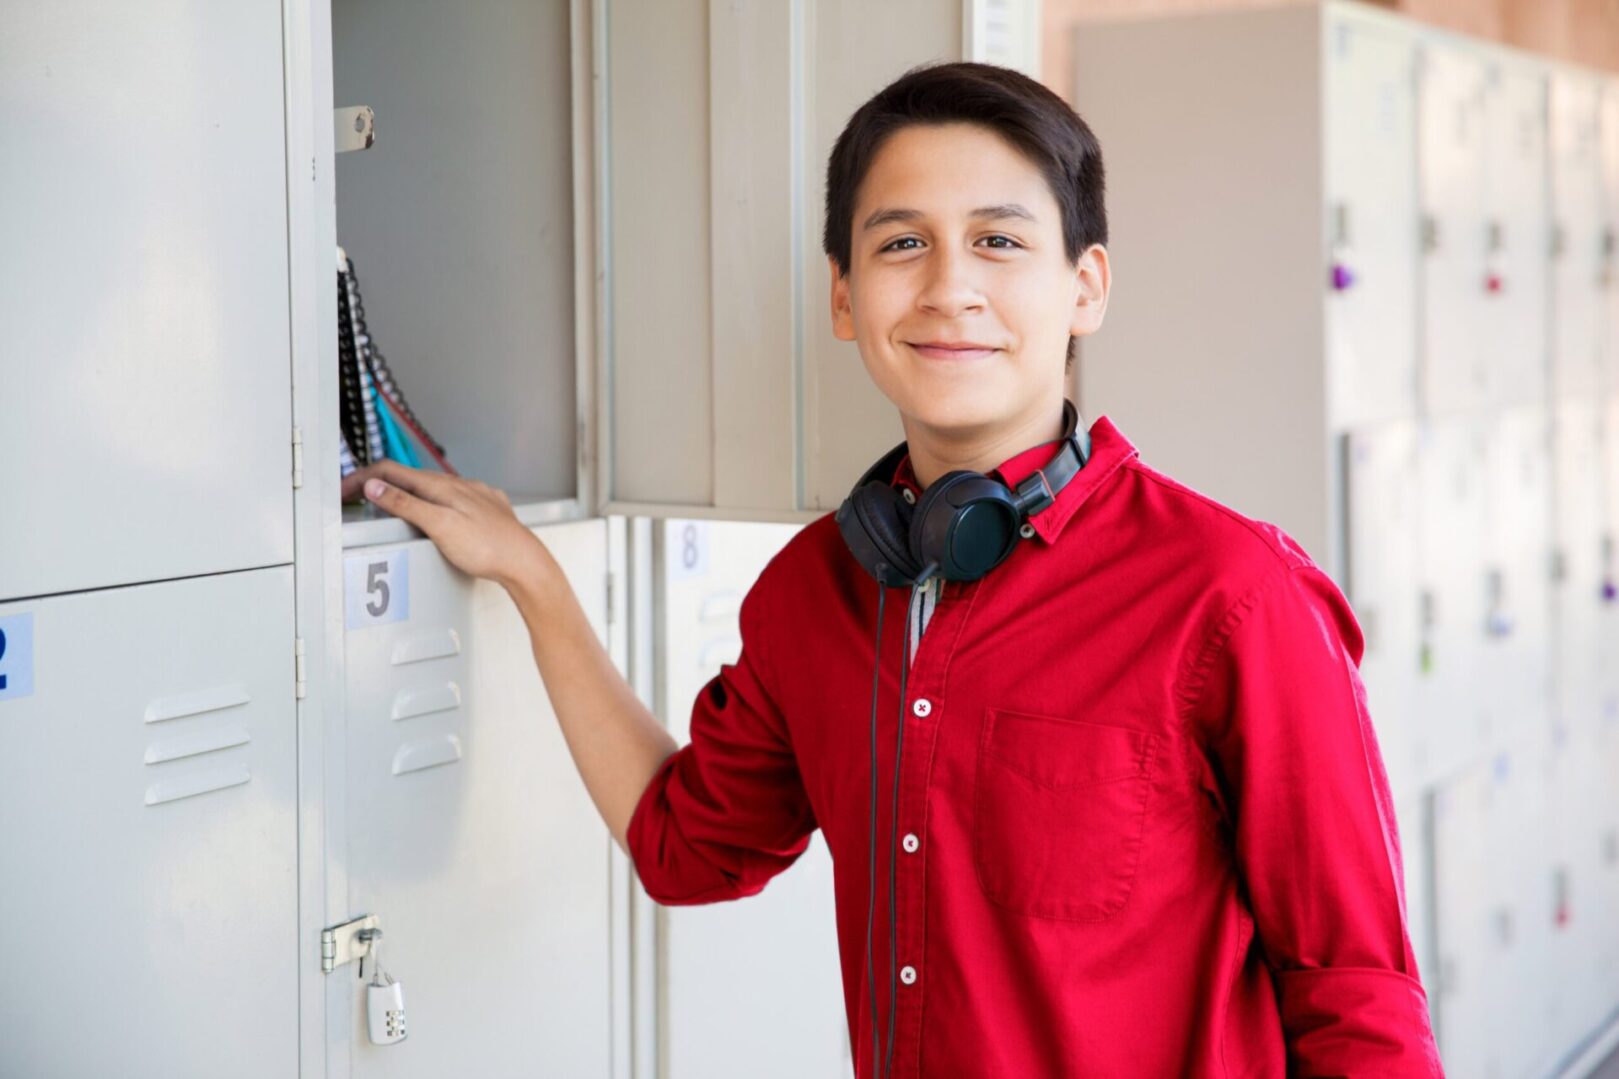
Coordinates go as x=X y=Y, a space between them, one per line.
x=1109 y=450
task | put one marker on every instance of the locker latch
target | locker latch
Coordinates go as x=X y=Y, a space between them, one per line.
x=341 y=943
x=354 y=128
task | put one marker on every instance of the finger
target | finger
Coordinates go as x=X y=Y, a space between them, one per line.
x=350 y=487
x=430 y=486
x=423 y=514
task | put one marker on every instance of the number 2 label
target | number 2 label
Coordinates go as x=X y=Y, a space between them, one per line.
x=16 y=656
x=376 y=588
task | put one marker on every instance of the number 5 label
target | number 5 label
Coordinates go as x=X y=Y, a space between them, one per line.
x=376 y=588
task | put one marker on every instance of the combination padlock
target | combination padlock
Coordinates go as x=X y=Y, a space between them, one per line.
x=384 y=999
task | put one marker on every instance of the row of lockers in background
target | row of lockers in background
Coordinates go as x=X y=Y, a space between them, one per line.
x=1403 y=333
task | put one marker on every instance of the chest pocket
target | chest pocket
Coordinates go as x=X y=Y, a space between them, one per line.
x=1059 y=812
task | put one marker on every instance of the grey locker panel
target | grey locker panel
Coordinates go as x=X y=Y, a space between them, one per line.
x=1576 y=213
x=143 y=197
x=148 y=910
x=460 y=224
x=1518 y=657
x=1383 y=487
x=757 y=979
x=1452 y=133
x=1516 y=297
x=1371 y=175
x=469 y=832
x=1578 y=593
x=1453 y=454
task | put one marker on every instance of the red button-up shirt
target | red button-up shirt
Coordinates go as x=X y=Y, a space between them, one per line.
x=1153 y=834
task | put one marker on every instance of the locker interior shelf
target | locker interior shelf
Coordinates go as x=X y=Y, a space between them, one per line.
x=364 y=525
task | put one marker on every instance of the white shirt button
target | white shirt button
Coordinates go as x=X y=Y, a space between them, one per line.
x=922 y=707
x=1026 y=531
x=910 y=843
x=907 y=975
x=905 y=493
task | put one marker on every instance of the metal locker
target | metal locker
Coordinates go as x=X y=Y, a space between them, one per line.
x=1371 y=203
x=469 y=833
x=148 y=916
x=1518 y=658
x=1608 y=291
x=1514 y=281
x=726 y=1000
x=1465 y=988
x=145 y=302
x=1519 y=907
x=1577 y=261
x=1382 y=525
x=1579 y=589
x=1452 y=141
x=1579 y=921
x=1416 y=855
x=1607 y=567
x=1453 y=459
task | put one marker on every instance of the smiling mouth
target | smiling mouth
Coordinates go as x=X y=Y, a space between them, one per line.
x=950 y=352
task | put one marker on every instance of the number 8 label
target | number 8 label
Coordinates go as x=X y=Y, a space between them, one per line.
x=376 y=588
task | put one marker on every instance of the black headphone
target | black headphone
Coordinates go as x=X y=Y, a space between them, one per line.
x=965 y=525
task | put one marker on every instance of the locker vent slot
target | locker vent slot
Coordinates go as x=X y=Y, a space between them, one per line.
x=427 y=753
x=431 y=644
x=421 y=702
x=191 y=745
x=202 y=782
x=196 y=703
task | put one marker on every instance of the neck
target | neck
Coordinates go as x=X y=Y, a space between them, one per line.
x=935 y=450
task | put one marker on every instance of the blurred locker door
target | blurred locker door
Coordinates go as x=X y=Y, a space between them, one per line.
x=148 y=862
x=1514 y=280
x=1384 y=519
x=1577 y=233
x=1453 y=454
x=1452 y=143
x=1580 y=591
x=144 y=297
x=1518 y=657
x=468 y=831
x=1372 y=207
x=1465 y=989
x=758 y=978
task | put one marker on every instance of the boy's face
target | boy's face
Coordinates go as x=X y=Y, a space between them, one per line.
x=957 y=240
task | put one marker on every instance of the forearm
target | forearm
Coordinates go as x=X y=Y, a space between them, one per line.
x=616 y=742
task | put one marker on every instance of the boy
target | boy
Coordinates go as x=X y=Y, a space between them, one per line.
x=1143 y=823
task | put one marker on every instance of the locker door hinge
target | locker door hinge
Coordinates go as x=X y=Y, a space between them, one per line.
x=612 y=597
x=297 y=458
x=300 y=684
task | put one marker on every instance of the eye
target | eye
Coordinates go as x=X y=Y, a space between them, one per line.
x=1010 y=243
x=893 y=245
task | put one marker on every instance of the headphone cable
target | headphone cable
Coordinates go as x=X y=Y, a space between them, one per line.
x=871 y=901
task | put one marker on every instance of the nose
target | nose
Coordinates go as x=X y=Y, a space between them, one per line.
x=948 y=288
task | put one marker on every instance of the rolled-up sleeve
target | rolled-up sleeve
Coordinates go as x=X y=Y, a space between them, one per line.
x=1277 y=699
x=727 y=811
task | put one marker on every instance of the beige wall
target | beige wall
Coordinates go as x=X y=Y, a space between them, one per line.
x=1584 y=31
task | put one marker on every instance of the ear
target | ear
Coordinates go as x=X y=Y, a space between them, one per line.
x=1091 y=284
x=842 y=312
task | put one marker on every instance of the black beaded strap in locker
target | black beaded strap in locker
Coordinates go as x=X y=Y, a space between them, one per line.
x=371 y=356
x=351 y=407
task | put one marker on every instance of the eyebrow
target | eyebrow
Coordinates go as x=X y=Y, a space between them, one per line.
x=1001 y=212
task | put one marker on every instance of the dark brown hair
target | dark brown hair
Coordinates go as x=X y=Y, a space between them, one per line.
x=1034 y=120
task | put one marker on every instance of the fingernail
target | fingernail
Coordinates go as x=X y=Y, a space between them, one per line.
x=374 y=489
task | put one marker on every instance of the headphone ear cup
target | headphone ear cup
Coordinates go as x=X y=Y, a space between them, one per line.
x=886 y=518
x=966 y=523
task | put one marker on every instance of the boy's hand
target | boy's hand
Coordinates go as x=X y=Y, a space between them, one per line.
x=471 y=522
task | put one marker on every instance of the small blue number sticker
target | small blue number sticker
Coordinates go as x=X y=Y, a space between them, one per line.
x=16 y=656
x=376 y=588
